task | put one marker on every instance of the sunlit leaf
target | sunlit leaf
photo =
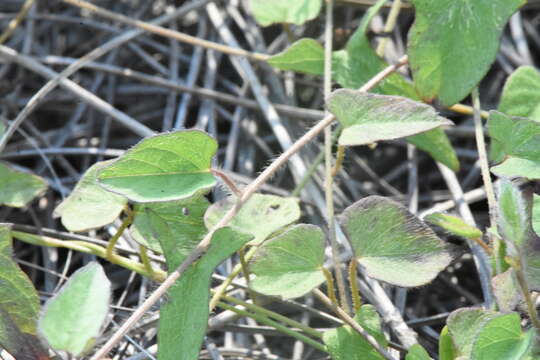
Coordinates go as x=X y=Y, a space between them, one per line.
x=463 y=327
x=18 y=188
x=454 y=225
x=345 y=343
x=521 y=94
x=417 y=352
x=72 y=319
x=260 y=216
x=89 y=206
x=453 y=43
x=184 y=316
x=305 y=55
x=392 y=244
x=289 y=265
x=284 y=11
x=165 y=167
x=19 y=307
x=517 y=167
x=446 y=346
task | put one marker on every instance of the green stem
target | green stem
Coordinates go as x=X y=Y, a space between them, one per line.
x=357 y=301
x=245 y=271
x=112 y=242
x=143 y=254
x=266 y=321
x=331 y=290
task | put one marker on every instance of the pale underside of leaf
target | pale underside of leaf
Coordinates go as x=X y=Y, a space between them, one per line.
x=285 y=11
x=18 y=187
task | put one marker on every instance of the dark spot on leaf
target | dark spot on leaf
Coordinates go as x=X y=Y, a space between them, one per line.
x=185 y=211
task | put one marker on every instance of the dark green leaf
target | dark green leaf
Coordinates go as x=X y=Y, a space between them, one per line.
x=289 y=265
x=393 y=244
x=453 y=43
x=18 y=188
x=72 y=319
x=165 y=167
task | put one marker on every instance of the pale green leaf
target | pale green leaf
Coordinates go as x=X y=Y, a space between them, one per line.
x=285 y=11
x=453 y=43
x=18 y=188
x=182 y=220
x=19 y=306
x=305 y=55
x=446 y=346
x=417 y=352
x=536 y=214
x=165 y=167
x=72 y=319
x=289 y=265
x=392 y=244
x=454 y=225
x=89 y=206
x=521 y=94
x=344 y=343
x=506 y=290
x=463 y=327
x=260 y=216
x=184 y=316
x=368 y=118
x=517 y=167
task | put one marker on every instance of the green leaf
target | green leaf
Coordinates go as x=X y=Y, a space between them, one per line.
x=463 y=326
x=181 y=222
x=502 y=338
x=368 y=118
x=517 y=167
x=454 y=225
x=165 y=167
x=417 y=352
x=305 y=55
x=536 y=214
x=506 y=290
x=19 y=306
x=260 y=216
x=184 y=316
x=436 y=143
x=72 y=319
x=514 y=215
x=453 y=43
x=446 y=346
x=285 y=11
x=393 y=244
x=344 y=343
x=521 y=94
x=18 y=188
x=289 y=265
x=89 y=206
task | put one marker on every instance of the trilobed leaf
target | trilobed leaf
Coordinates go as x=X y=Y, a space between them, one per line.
x=368 y=118
x=392 y=244
x=453 y=43
x=289 y=264
x=89 y=206
x=260 y=216
x=17 y=188
x=164 y=167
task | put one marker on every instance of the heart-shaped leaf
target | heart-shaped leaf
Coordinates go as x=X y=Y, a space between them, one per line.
x=521 y=94
x=368 y=118
x=260 y=216
x=182 y=223
x=19 y=306
x=393 y=244
x=72 y=319
x=89 y=206
x=184 y=317
x=164 y=167
x=284 y=11
x=453 y=43
x=18 y=188
x=289 y=265
x=345 y=343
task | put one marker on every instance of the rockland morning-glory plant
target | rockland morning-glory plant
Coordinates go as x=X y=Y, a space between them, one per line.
x=159 y=189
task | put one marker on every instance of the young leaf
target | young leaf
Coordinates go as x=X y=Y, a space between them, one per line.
x=502 y=338
x=446 y=346
x=165 y=167
x=19 y=306
x=517 y=167
x=72 y=319
x=521 y=94
x=514 y=214
x=89 y=206
x=18 y=188
x=393 y=244
x=289 y=265
x=284 y=11
x=454 y=225
x=305 y=55
x=345 y=343
x=260 y=216
x=453 y=43
x=183 y=318
x=182 y=222
x=368 y=118
x=506 y=290
x=417 y=352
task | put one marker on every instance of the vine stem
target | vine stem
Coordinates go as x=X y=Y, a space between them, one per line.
x=328 y=159
x=248 y=192
x=389 y=26
x=112 y=242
